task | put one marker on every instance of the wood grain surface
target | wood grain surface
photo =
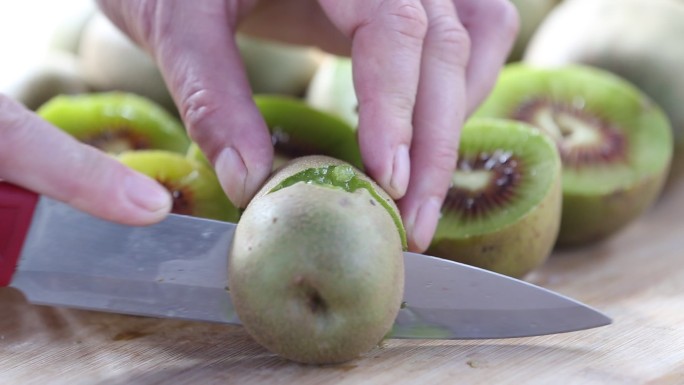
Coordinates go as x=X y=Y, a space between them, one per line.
x=637 y=278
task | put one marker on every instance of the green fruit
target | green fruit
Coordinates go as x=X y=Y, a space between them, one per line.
x=503 y=210
x=115 y=122
x=615 y=143
x=57 y=74
x=316 y=271
x=193 y=186
x=298 y=130
x=277 y=68
x=532 y=14
x=332 y=89
x=112 y=62
x=195 y=154
x=639 y=40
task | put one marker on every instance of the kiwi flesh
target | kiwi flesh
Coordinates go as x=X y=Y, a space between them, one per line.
x=116 y=122
x=193 y=186
x=650 y=56
x=298 y=129
x=316 y=269
x=502 y=212
x=615 y=143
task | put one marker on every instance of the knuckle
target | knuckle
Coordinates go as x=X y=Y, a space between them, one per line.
x=408 y=18
x=196 y=109
x=450 y=33
x=502 y=14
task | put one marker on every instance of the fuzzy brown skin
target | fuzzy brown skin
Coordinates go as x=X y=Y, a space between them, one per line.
x=316 y=273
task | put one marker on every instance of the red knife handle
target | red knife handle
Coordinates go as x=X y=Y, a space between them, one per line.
x=16 y=211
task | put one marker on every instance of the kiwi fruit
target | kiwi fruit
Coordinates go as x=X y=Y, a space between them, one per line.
x=503 y=210
x=193 y=186
x=115 y=122
x=298 y=129
x=58 y=73
x=316 y=270
x=275 y=67
x=615 y=142
x=532 y=14
x=332 y=89
x=113 y=62
x=650 y=56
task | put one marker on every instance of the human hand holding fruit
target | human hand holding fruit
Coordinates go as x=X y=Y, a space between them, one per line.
x=421 y=67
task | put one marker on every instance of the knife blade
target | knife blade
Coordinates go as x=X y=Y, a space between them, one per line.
x=59 y=256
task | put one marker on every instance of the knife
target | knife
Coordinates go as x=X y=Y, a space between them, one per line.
x=59 y=256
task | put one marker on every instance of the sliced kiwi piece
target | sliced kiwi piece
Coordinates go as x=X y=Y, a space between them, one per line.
x=298 y=129
x=193 y=186
x=316 y=272
x=502 y=212
x=615 y=144
x=116 y=122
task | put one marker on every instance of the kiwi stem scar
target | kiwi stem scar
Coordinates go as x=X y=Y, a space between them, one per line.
x=345 y=178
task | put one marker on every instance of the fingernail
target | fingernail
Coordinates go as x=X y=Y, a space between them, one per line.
x=147 y=194
x=425 y=223
x=232 y=175
x=401 y=169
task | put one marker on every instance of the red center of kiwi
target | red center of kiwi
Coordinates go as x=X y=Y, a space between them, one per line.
x=117 y=140
x=582 y=137
x=181 y=198
x=501 y=173
x=291 y=146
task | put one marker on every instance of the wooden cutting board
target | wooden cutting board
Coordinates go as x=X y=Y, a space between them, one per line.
x=637 y=278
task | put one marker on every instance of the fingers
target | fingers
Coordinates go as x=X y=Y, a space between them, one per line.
x=44 y=159
x=194 y=46
x=386 y=51
x=438 y=116
x=492 y=26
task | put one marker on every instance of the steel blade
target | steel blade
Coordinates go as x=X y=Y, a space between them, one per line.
x=178 y=269
x=456 y=301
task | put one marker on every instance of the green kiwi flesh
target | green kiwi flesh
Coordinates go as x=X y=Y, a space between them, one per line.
x=502 y=212
x=193 y=186
x=616 y=145
x=298 y=129
x=116 y=122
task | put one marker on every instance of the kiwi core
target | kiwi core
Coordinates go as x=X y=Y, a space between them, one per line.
x=343 y=177
x=582 y=138
x=116 y=141
x=483 y=182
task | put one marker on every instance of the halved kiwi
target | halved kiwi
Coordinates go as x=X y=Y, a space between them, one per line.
x=193 y=186
x=615 y=143
x=116 y=121
x=298 y=129
x=502 y=212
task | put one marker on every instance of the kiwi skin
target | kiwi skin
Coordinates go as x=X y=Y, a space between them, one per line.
x=315 y=273
x=518 y=247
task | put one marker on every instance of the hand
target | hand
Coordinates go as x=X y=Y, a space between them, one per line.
x=44 y=159
x=420 y=67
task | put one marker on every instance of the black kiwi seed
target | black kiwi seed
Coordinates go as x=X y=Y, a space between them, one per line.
x=506 y=172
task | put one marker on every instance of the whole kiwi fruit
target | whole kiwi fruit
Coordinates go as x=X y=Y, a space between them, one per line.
x=503 y=210
x=316 y=269
x=615 y=143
